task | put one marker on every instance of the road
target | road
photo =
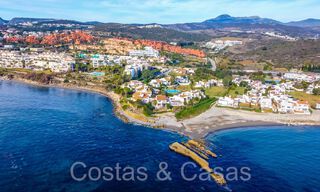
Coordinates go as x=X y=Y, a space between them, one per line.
x=213 y=63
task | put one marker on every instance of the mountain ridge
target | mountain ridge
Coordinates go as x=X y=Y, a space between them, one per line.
x=226 y=23
x=224 y=18
x=311 y=22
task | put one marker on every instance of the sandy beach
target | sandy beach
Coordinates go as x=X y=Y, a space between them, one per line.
x=197 y=127
x=222 y=118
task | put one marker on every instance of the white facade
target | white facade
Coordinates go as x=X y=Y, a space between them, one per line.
x=56 y=62
x=147 y=52
x=226 y=102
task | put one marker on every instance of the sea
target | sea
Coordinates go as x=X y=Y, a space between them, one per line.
x=61 y=140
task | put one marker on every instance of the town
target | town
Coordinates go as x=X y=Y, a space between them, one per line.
x=149 y=78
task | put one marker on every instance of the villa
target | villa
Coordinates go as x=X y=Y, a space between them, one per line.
x=185 y=97
x=182 y=80
x=265 y=103
x=206 y=84
x=144 y=97
x=161 y=101
x=158 y=82
x=226 y=102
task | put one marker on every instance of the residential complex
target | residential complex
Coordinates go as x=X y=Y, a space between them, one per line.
x=56 y=62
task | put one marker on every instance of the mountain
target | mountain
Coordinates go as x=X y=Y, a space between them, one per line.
x=20 y=20
x=149 y=31
x=227 y=19
x=229 y=24
x=224 y=21
x=305 y=23
x=2 y=21
x=222 y=25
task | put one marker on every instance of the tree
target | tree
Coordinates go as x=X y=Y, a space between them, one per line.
x=227 y=80
x=147 y=75
x=316 y=91
x=148 y=109
x=203 y=73
x=222 y=73
x=244 y=84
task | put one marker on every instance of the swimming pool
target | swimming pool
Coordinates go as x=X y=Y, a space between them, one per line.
x=97 y=74
x=172 y=91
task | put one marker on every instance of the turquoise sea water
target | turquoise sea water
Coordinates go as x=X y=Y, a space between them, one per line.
x=43 y=131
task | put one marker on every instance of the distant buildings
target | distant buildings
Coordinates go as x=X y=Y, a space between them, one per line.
x=146 y=52
x=302 y=77
x=280 y=36
x=99 y=60
x=221 y=44
x=209 y=83
x=134 y=70
x=56 y=62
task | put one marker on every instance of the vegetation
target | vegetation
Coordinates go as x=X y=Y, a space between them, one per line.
x=221 y=73
x=288 y=54
x=260 y=76
x=203 y=73
x=301 y=85
x=316 y=91
x=3 y=71
x=148 y=75
x=39 y=77
x=234 y=91
x=115 y=77
x=312 y=99
x=148 y=109
x=174 y=58
x=82 y=67
x=157 y=33
x=197 y=109
x=227 y=80
x=311 y=68
x=183 y=88
x=216 y=92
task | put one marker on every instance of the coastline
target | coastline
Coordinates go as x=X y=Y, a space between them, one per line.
x=199 y=127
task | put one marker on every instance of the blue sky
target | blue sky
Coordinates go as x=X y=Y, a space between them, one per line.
x=159 y=11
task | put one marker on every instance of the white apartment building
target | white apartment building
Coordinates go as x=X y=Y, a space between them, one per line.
x=56 y=62
x=146 y=52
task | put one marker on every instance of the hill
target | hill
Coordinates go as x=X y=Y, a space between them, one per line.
x=253 y=23
x=305 y=23
x=21 y=20
x=279 y=53
x=153 y=32
x=2 y=21
x=223 y=25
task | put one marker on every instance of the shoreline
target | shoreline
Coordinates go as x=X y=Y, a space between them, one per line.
x=199 y=127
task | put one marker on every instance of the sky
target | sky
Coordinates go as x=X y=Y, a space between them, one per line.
x=158 y=11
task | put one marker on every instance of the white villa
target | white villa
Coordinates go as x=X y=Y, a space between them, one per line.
x=182 y=80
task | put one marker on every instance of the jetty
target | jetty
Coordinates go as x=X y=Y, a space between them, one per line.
x=183 y=150
x=201 y=147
